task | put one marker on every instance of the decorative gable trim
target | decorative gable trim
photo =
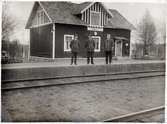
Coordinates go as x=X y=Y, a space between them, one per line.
x=45 y=12
x=99 y=3
x=30 y=18
x=87 y=7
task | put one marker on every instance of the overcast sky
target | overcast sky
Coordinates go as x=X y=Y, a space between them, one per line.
x=133 y=12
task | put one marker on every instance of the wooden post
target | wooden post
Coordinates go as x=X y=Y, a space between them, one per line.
x=29 y=52
x=53 y=42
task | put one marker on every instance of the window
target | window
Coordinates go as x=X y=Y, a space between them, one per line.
x=95 y=18
x=67 y=40
x=40 y=17
x=97 y=40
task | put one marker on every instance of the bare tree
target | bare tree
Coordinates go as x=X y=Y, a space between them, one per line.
x=163 y=32
x=8 y=22
x=14 y=48
x=147 y=32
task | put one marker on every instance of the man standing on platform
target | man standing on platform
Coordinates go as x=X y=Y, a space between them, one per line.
x=90 y=47
x=108 y=44
x=74 y=45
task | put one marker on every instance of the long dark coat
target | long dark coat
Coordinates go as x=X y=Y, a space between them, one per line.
x=90 y=45
x=75 y=45
x=108 y=44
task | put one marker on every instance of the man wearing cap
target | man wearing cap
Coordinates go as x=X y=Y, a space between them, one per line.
x=74 y=45
x=108 y=44
x=90 y=46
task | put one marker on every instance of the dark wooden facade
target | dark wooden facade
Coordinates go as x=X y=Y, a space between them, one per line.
x=41 y=40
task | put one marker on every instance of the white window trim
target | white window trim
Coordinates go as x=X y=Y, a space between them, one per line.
x=91 y=19
x=67 y=35
x=99 y=43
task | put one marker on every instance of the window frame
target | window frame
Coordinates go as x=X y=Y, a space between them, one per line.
x=40 y=17
x=99 y=43
x=67 y=35
x=91 y=18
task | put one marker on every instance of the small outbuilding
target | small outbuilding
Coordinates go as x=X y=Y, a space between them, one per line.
x=53 y=25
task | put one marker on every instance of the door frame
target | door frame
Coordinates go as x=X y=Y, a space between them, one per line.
x=116 y=46
x=99 y=43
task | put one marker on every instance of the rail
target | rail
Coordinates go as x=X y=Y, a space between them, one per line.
x=136 y=115
x=35 y=83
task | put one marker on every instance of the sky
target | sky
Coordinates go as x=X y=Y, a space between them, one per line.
x=133 y=12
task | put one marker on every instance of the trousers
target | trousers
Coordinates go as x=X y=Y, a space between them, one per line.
x=90 y=57
x=74 y=57
x=108 y=55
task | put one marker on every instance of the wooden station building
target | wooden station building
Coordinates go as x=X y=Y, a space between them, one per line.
x=53 y=25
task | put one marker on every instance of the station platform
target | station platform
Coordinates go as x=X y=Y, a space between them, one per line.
x=81 y=62
x=62 y=68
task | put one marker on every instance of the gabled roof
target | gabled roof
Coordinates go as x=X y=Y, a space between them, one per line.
x=118 y=21
x=66 y=13
x=80 y=7
x=62 y=12
x=32 y=14
x=59 y=12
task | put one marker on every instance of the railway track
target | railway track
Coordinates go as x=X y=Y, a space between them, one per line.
x=138 y=116
x=64 y=80
x=34 y=91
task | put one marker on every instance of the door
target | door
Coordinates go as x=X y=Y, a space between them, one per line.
x=118 y=48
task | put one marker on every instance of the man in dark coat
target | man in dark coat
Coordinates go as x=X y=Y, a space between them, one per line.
x=108 y=44
x=74 y=45
x=90 y=47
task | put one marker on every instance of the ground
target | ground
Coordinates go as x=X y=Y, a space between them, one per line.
x=84 y=101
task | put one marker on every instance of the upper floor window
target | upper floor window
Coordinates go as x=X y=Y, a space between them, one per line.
x=40 y=17
x=95 y=18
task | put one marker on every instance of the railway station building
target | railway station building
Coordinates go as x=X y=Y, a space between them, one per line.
x=53 y=25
